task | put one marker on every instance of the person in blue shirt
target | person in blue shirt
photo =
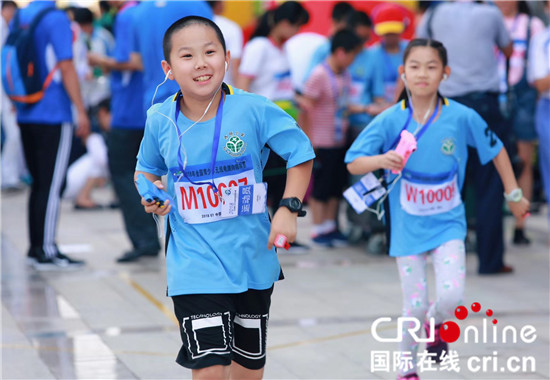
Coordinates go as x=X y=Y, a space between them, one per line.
x=367 y=88
x=127 y=125
x=47 y=130
x=211 y=140
x=151 y=21
x=389 y=25
x=427 y=215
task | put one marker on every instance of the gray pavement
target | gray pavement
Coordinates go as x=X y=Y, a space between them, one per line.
x=113 y=321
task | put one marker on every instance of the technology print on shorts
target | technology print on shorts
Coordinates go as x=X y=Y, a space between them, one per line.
x=208 y=334
x=249 y=337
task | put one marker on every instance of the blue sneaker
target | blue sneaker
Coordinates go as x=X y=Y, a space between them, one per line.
x=338 y=239
x=323 y=240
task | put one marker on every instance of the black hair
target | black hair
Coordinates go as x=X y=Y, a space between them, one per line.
x=524 y=8
x=83 y=15
x=423 y=42
x=424 y=5
x=212 y=4
x=341 y=11
x=105 y=104
x=345 y=39
x=292 y=11
x=9 y=3
x=185 y=22
x=360 y=18
x=104 y=6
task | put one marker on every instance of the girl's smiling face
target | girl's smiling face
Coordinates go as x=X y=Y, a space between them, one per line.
x=197 y=60
x=424 y=70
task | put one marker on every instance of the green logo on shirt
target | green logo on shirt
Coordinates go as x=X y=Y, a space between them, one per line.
x=448 y=146
x=235 y=146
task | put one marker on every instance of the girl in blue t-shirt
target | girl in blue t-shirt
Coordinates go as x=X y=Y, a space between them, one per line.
x=211 y=141
x=426 y=211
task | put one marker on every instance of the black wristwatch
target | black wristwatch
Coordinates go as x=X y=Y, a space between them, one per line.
x=293 y=204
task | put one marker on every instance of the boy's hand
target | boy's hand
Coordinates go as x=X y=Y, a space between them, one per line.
x=284 y=222
x=154 y=207
x=519 y=209
x=391 y=161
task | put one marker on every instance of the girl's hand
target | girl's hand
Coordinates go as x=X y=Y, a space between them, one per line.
x=284 y=222
x=154 y=207
x=391 y=161
x=519 y=209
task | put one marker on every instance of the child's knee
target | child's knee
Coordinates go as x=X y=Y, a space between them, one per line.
x=450 y=301
x=418 y=311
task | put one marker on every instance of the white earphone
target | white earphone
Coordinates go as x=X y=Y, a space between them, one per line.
x=225 y=66
x=168 y=73
x=403 y=77
x=445 y=76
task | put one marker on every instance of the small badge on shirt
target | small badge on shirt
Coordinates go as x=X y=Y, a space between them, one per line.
x=244 y=200
x=448 y=146
x=235 y=145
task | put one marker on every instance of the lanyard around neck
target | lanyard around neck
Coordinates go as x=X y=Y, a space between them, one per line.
x=215 y=143
x=419 y=133
x=338 y=95
x=340 y=99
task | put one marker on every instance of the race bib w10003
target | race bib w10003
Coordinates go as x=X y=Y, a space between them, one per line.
x=429 y=199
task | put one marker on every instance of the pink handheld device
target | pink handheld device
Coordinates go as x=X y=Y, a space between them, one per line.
x=281 y=242
x=407 y=145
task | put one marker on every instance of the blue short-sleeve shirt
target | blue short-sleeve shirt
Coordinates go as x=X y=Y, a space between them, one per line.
x=126 y=86
x=441 y=150
x=228 y=255
x=390 y=64
x=318 y=57
x=54 y=42
x=367 y=84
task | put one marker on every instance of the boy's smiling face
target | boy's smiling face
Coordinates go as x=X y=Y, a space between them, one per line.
x=197 y=60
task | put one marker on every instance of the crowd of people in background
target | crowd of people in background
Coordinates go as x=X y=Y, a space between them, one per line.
x=333 y=85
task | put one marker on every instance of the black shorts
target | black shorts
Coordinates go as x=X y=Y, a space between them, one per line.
x=219 y=328
x=330 y=176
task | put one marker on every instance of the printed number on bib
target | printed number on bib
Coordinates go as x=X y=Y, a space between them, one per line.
x=429 y=199
x=199 y=203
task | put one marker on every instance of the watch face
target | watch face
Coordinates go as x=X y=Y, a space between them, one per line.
x=516 y=196
x=295 y=203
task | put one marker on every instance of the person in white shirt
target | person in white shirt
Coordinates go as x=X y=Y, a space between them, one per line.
x=234 y=39
x=299 y=50
x=265 y=71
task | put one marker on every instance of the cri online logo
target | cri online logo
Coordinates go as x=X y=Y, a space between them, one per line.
x=450 y=331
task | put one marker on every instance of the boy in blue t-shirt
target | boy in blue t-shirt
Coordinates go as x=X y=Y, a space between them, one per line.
x=212 y=142
x=389 y=24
